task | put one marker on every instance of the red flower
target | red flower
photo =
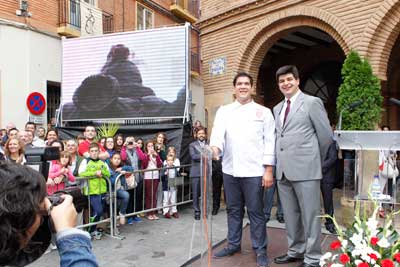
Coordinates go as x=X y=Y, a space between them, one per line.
x=335 y=244
x=344 y=258
x=374 y=240
x=387 y=263
x=363 y=264
x=373 y=256
x=397 y=257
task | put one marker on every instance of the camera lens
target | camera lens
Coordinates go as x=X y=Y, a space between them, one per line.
x=130 y=143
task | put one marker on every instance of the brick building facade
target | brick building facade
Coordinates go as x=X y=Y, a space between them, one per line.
x=259 y=36
x=30 y=44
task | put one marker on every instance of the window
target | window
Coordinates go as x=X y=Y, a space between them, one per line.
x=91 y=2
x=144 y=18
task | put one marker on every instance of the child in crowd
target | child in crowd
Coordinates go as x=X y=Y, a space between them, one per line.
x=97 y=187
x=169 y=188
x=115 y=170
x=59 y=173
x=151 y=178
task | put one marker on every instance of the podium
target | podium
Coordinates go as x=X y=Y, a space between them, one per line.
x=365 y=164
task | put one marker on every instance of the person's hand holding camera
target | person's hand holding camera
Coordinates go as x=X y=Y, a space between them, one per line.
x=63 y=215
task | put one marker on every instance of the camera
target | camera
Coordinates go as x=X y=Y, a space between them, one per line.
x=130 y=143
x=78 y=199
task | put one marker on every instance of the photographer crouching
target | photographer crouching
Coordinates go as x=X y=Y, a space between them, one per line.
x=27 y=218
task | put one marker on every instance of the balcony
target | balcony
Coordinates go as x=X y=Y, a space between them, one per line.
x=108 y=23
x=69 y=18
x=186 y=9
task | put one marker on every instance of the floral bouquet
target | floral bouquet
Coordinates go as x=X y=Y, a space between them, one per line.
x=365 y=244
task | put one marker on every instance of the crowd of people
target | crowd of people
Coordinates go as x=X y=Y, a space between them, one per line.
x=106 y=158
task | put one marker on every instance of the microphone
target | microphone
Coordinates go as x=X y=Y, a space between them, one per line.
x=395 y=101
x=351 y=106
x=356 y=104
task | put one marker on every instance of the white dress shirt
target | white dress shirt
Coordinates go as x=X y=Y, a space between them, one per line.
x=245 y=134
x=292 y=100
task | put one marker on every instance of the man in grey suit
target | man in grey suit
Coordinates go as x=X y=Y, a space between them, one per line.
x=195 y=155
x=303 y=136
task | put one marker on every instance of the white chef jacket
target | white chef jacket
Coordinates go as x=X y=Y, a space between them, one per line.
x=245 y=134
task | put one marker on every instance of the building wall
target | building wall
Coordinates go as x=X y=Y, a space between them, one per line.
x=28 y=60
x=30 y=48
x=243 y=31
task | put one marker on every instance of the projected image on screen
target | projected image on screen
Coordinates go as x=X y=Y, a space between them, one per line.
x=125 y=76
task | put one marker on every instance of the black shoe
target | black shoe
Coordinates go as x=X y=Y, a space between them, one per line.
x=197 y=216
x=309 y=265
x=331 y=228
x=280 y=219
x=215 y=211
x=286 y=259
x=225 y=252
x=262 y=260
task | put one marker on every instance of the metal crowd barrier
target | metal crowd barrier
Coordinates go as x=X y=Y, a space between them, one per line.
x=181 y=181
x=86 y=179
x=177 y=181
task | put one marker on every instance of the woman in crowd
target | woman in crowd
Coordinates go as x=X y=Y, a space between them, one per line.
x=159 y=146
x=133 y=157
x=51 y=135
x=140 y=143
x=109 y=146
x=14 y=151
x=161 y=140
x=151 y=178
x=102 y=141
x=118 y=142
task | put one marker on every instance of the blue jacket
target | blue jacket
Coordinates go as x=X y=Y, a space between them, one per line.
x=75 y=249
x=115 y=174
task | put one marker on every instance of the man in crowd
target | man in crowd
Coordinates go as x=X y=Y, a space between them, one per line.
x=36 y=142
x=90 y=134
x=195 y=154
x=9 y=126
x=303 y=137
x=244 y=133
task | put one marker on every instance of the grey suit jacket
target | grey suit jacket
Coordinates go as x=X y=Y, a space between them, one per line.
x=303 y=141
x=195 y=155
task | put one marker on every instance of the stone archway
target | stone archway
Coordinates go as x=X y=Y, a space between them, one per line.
x=267 y=32
x=381 y=34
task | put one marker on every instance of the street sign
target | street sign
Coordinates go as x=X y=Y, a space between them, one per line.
x=36 y=119
x=36 y=103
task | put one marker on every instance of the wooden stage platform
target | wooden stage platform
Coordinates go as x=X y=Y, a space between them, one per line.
x=277 y=245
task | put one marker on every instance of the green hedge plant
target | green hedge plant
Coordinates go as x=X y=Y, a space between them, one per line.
x=359 y=83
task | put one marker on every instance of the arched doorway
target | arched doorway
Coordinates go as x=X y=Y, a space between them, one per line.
x=319 y=59
x=392 y=89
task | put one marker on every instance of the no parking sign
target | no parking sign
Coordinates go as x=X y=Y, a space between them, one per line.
x=36 y=103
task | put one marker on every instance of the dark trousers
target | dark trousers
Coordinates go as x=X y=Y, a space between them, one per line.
x=150 y=188
x=196 y=193
x=240 y=192
x=217 y=181
x=327 y=197
x=269 y=200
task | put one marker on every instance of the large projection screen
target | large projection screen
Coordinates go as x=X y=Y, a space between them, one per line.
x=135 y=75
